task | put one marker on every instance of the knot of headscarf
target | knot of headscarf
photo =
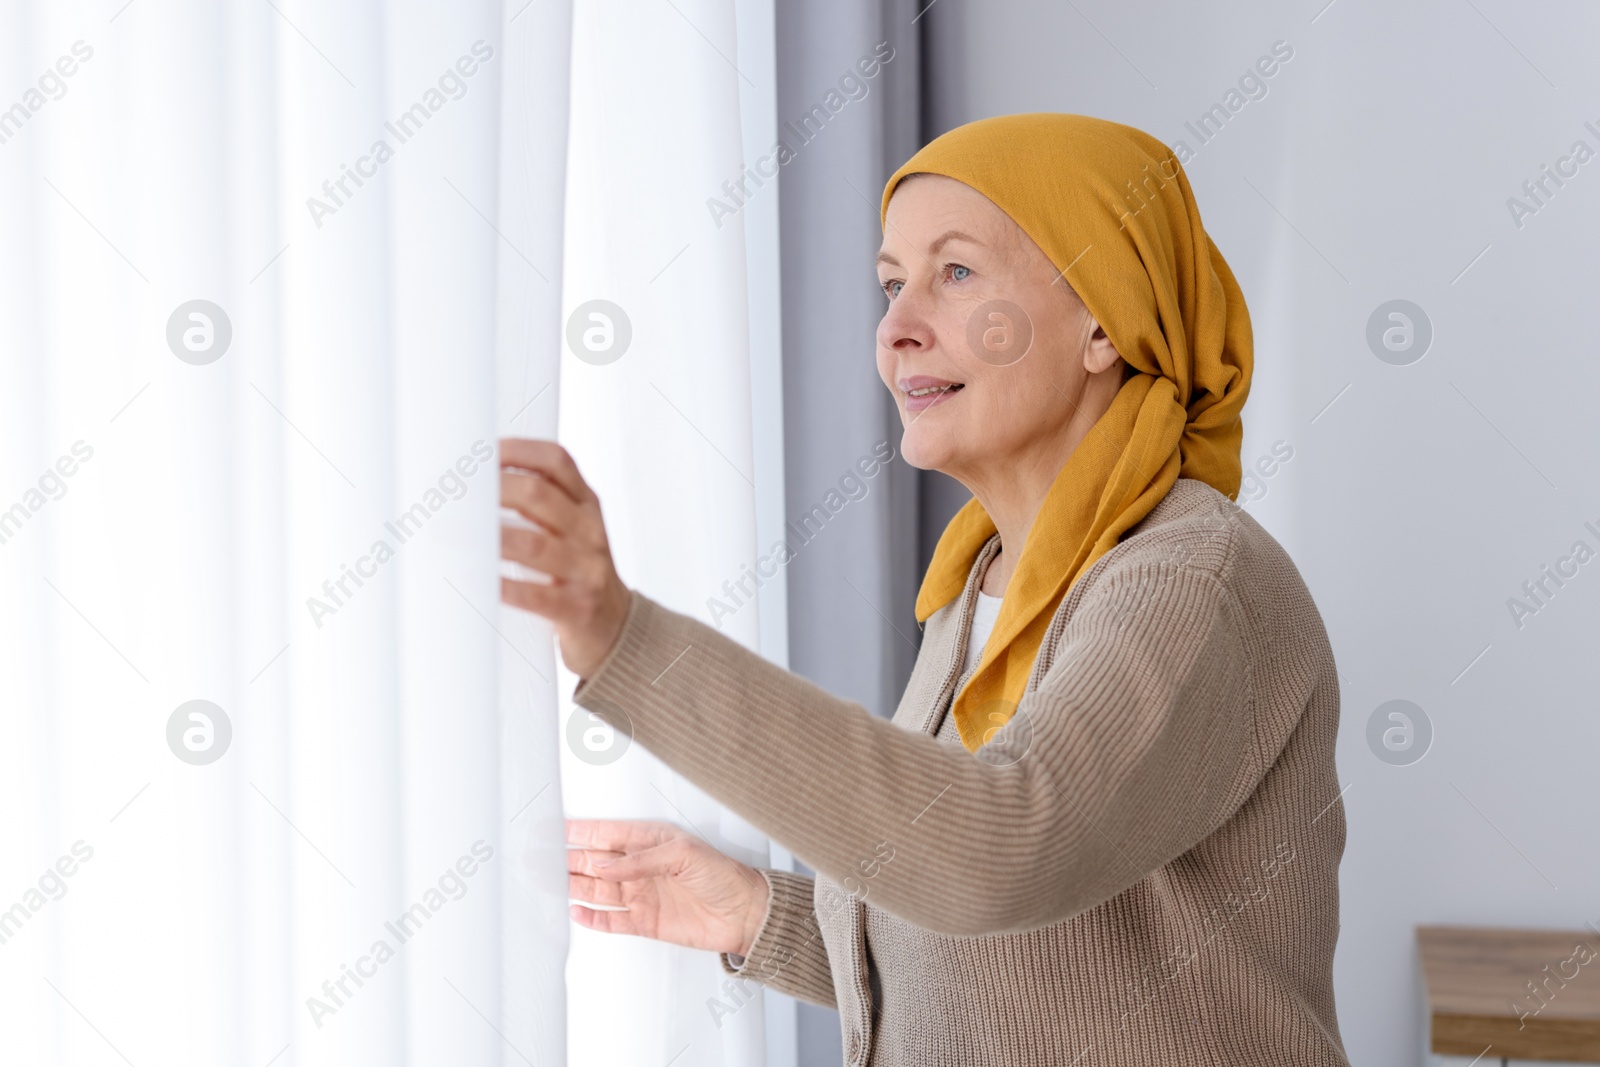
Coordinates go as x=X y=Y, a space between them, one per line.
x=1112 y=209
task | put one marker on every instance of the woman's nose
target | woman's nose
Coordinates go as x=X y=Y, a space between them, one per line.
x=906 y=323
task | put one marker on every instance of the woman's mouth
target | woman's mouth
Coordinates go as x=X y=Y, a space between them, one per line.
x=922 y=392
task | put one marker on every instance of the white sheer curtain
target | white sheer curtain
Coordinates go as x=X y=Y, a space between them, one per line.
x=680 y=432
x=280 y=502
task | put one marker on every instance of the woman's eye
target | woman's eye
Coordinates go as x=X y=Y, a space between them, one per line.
x=893 y=288
x=959 y=273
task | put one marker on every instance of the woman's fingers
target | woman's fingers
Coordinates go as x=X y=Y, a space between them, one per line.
x=547 y=458
x=541 y=500
x=542 y=551
x=619 y=835
x=651 y=879
x=582 y=860
x=625 y=850
x=586 y=599
x=594 y=890
x=669 y=858
x=607 y=922
x=543 y=600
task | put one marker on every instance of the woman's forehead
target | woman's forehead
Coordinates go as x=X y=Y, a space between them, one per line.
x=945 y=212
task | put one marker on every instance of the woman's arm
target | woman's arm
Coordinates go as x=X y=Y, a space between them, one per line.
x=1143 y=743
x=1143 y=730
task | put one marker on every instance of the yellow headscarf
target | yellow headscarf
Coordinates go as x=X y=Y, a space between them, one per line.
x=1112 y=208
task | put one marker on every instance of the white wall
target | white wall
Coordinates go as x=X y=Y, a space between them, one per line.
x=1378 y=166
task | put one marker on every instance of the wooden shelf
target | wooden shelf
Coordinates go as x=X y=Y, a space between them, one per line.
x=1477 y=978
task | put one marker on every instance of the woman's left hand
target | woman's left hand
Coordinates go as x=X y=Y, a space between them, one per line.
x=585 y=599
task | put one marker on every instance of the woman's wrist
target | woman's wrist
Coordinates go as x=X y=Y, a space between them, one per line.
x=584 y=650
x=755 y=914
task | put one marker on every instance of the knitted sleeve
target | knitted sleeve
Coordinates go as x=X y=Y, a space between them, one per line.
x=788 y=953
x=1140 y=741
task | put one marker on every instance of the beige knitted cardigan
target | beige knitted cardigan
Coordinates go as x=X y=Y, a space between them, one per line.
x=1141 y=868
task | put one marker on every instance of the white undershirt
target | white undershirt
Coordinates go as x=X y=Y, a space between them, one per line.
x=983 y=616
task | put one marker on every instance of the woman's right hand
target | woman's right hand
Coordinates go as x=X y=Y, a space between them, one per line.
x=675 y=887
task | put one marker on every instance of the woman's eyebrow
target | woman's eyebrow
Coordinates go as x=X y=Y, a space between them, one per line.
x=948 y=236
x=933 y=249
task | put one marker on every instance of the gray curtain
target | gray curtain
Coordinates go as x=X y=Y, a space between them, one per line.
x=859 y=550
x=861 y=539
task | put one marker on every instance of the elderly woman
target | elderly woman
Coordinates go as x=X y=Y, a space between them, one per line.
x=1104 y=825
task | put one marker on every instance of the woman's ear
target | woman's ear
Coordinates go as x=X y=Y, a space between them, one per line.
x=1100 y=354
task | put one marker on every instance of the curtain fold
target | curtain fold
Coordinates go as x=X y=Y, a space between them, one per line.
x=530 y=223
x=668 y=406
x=278 y=280
x=283 y=792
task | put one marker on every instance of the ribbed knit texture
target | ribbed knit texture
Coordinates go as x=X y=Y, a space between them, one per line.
x=1148 y=877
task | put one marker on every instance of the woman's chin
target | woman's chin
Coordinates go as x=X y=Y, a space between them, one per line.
x=923 y=450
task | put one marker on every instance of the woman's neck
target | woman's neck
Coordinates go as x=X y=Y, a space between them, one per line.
x=1013 y=492
x=1012 y=495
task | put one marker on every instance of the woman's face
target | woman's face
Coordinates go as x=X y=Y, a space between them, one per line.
x=983 y=344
